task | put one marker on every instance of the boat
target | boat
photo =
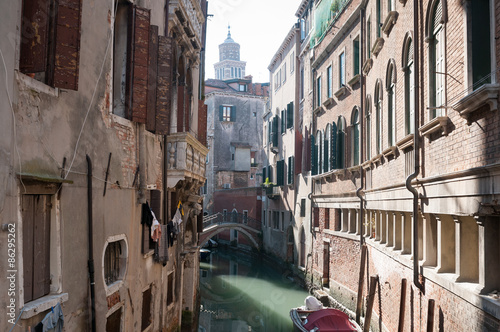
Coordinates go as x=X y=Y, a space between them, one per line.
x=313 y=317
x=204 y=254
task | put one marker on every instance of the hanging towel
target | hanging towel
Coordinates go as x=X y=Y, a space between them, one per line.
x=155 y=229
x=53 y=321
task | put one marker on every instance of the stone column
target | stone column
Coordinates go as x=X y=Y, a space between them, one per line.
x=489 y=253
x=406 y=234
x=377 y=225
x=383 y=227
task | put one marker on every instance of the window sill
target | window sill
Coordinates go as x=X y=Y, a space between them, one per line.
x=36 y=85
x=340 y=92
x=114 y=287
x=377 y=159
x=328 y=102
x=390 y=152
x=390 y=21
x=438 y=124
x=121 y=121
x=377 y=47
x=354 y=80
x=42 y=304
x=485 y=95
x=318 y=109
x=367 y=66
x=406 y=142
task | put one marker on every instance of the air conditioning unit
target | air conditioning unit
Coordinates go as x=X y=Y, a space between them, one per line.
x=227 y=186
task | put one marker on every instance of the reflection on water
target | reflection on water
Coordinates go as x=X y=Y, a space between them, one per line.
x=240 y=294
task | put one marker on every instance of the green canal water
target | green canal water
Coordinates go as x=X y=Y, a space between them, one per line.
x=240 y=293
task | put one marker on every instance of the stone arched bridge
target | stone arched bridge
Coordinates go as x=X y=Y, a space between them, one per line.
x=216 y=223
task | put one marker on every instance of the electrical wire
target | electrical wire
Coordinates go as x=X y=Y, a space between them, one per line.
x=16 y=148
x=93 y=93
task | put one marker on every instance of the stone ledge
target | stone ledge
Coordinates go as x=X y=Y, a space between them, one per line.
x=42 y=304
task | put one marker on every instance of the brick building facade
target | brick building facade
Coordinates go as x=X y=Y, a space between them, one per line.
x=404 y=107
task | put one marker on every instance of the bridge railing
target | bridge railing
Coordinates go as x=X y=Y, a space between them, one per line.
x=233 y=217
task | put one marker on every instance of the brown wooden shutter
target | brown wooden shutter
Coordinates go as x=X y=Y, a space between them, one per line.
x=27 y=214
x=137 y=66
x=67 y=45
x=36 y=245
x=202 y=122
x=34 y=36
x=164 y=85
x=156 y=203
x=152 y=74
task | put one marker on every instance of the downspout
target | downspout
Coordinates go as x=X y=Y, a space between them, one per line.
x=361 y=139
x=91 y=244
x=416 y=147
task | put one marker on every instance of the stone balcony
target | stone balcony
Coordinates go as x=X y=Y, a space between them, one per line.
x=186 y=158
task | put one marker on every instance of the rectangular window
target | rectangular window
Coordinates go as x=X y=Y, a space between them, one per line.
x=147 y=300
x=292 y=62
x=224 y=215
x=36 y=245
x=284 y=73
x=303 y=207
x=245 y=216
x=282 y=223
x=355 y=56
x=264 y=215
x=327 y=218
x=280 y=172
x=379 y=19
x=243 y=88
x=301 y=83
x=480 y=48
x=289 y=115
x=342 y=69
x=170 y=289
x=226 y=115
x=114 y=321
x=369 y=39
x=318 y=92
x=50 y=41
x=329 y=81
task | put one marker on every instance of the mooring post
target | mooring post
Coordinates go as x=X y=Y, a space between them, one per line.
x=369 y=306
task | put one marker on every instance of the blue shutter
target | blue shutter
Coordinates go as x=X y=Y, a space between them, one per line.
x=221 y=113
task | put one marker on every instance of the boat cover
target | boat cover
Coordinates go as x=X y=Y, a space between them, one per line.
x=329 y=320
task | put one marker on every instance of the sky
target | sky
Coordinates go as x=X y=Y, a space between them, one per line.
x=259 y=26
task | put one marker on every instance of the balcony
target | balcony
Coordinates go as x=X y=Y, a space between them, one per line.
x=186 y=158
x=189 y=19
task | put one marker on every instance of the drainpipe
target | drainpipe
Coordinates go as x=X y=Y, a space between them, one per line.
x=416 y=147
x=361 y=139
x=91 y=244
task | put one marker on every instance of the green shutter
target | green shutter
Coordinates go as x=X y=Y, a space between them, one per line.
x=340 y=149
x=283 y=124
x=333 y=146
x=270 y=173
x=325 y=154
x=356 y=57
x=269 y=132
x=264 y=174
x=291 y=169
x=280 y=173
x=275 y=131
x=221 y=113
x=233 y=113
x=289 y=115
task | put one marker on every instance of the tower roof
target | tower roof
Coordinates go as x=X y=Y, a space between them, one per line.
x=229 y=39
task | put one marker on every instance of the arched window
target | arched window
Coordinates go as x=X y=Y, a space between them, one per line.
x=341 y=126
x=327 y=148
x=355 y=136
x=368 y=110
x=436 y=60
x=391 y=103
x=378 y=115
x=409 y=87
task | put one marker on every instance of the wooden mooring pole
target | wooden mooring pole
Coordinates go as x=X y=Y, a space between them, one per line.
x=369 y=306
x=402 y=306
x=361 y=283
x=430 y=316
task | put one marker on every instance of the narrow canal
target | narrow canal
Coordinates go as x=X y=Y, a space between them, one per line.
x=240 y=293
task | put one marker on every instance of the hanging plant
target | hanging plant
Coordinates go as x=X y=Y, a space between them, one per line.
x=335 y=7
